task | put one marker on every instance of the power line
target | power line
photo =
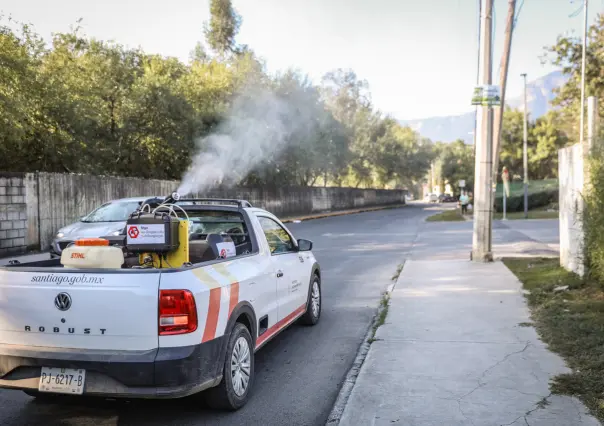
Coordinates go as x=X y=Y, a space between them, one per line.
x=576 y=12
x=518 y=12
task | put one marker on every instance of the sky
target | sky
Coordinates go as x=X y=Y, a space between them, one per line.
x=419 y=57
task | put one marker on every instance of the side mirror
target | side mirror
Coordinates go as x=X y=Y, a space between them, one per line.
x=304 y=245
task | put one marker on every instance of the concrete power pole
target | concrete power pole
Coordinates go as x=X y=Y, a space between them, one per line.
x=483 y=193
x=503 y=73
x=475 y=133
x=583 y=62
x=525 y=151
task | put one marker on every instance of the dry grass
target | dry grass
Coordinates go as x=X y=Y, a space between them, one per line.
x=571 y=322
x=446 y=216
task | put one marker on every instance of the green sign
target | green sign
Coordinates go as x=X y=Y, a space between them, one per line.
x=486 y=95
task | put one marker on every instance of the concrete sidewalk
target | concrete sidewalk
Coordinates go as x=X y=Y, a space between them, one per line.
x=453 y=240
x=453 y=351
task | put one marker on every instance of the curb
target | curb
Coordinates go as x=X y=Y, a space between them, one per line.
x=340 y=213
x=351 y=377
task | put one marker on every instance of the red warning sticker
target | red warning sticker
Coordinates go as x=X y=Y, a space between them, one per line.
x=226 y=249
x=133 y=232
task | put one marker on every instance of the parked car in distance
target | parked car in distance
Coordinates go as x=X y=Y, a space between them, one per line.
x=108 y=219
x=449 y=199
x=433 y=198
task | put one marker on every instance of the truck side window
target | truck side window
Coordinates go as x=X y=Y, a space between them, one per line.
x=278 y=239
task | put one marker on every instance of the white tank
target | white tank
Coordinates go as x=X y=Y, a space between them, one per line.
x=92 y=253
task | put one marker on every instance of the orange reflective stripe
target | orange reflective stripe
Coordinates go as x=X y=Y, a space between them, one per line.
x=281 y=325
x=212 y=320
x=234 y=298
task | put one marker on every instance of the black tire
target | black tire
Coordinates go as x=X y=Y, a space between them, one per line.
x=224 y=396
x=312 y=316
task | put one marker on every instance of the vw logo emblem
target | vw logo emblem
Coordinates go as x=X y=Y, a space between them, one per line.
x=63 y=301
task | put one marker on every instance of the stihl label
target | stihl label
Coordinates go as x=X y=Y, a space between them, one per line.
x=146 y=234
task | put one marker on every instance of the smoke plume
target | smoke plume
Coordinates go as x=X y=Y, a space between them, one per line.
x=260 y=124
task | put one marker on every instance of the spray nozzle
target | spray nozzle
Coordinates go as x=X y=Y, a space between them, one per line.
x=175 y=196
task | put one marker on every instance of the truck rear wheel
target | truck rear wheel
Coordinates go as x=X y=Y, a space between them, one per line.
x=238 y=372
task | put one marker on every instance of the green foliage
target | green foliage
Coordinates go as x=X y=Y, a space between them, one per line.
x=545 y=138
x=515 y=202
x=456 y=162
x=224 y=25
x=593 y=217
x=541 y=193
x=567 y=54
x=87 y=106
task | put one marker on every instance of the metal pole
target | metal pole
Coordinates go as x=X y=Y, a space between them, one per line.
x=483 y=192
x=583 y=61
x=525 y=151
x=504 y=205
x=505 y=62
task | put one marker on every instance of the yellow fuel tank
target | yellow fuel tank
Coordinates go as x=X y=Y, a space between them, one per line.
x=176 y=258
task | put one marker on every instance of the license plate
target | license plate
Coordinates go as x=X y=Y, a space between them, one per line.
x=62 y=380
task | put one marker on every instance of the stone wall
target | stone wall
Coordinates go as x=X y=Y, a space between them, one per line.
x=41 y=203
x=570 y=175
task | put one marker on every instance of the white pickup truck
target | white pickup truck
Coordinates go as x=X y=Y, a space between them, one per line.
x=149 y=331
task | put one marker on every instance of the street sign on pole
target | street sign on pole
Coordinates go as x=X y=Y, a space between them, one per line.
x=462 y=183
x=487 y=95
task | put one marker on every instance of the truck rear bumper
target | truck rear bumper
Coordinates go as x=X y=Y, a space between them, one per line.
x=158 y=373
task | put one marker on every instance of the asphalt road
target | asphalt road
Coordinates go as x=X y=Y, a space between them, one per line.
x=299 y=373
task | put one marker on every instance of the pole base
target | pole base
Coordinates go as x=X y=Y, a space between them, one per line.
x=481 y=257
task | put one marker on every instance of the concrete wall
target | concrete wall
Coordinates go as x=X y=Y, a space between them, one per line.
x=45 y=202
x=570 y=175
x=13 y=213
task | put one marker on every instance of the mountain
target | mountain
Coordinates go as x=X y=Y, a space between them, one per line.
x=540 y=93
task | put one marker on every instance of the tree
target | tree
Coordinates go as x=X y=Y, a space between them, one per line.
x=199 y=54
x=511 y=154
x=83 y=105
x=567 y=54
x=223 y=27
x=456 y=161
x=547 y=139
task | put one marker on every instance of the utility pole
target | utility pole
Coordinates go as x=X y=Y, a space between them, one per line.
x=503 y=76
x=525 y=151
x=583 y=61
x=483 y=193
x=475 y=133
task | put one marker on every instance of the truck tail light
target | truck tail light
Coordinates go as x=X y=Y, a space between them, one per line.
x=177 y=312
